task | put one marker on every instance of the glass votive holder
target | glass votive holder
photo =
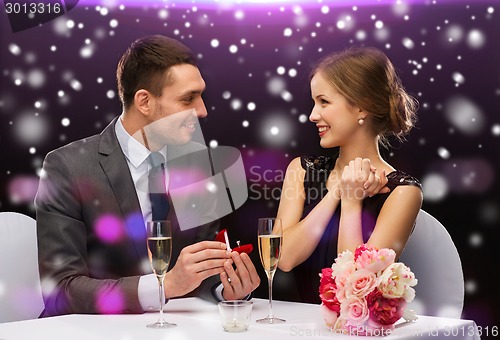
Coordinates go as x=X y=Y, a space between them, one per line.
x=235 y=315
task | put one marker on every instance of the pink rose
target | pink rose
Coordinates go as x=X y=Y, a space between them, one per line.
x=385 y=311
x=374 y=260
x=360 y=283
x=355 y=310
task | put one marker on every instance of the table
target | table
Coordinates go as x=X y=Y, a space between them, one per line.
x=199 y=319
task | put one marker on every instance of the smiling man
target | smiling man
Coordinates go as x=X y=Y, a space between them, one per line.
x=91 y=205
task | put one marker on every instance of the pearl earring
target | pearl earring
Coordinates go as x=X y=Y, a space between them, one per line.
x=361 y=121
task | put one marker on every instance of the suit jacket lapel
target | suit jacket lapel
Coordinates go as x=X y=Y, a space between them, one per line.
x=114 y=165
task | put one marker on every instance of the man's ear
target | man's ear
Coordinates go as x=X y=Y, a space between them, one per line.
x=143 y=101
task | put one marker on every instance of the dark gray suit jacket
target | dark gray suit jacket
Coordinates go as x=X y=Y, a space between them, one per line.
x=91 y=234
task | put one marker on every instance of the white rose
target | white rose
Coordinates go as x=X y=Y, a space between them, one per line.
x=396 y=282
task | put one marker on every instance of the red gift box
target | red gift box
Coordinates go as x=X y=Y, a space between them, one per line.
x=245 y=248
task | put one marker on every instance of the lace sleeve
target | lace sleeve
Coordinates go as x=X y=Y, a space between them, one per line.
x=397 y=177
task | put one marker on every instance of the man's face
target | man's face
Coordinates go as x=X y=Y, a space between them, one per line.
x=177 y=110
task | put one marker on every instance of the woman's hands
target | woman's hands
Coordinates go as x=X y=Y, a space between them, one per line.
x=360 y=179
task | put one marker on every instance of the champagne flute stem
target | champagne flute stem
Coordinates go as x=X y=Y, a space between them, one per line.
x=161 y=295
x=270 y=284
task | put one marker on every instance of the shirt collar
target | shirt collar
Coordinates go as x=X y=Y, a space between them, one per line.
x=135 y=152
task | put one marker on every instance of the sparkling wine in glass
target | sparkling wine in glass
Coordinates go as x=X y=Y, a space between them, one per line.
x=270 y=238
x=159 y=235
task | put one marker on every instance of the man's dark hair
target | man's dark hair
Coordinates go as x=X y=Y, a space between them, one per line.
x=145 y=65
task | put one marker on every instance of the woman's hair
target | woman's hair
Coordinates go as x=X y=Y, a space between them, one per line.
x=368 y=80
x=145 y=63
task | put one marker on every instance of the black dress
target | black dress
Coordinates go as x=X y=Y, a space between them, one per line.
x=317 y=172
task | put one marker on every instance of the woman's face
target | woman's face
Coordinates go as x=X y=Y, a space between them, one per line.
x=335 y=118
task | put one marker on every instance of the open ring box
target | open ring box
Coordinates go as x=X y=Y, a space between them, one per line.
x=223 y=237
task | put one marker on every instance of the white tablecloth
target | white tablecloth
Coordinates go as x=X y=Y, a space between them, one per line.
x=198 y=319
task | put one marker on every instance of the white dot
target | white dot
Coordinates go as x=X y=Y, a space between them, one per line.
x=476 y=39
x=361 y=35
x=470 y=287
x=287 y=96
x=104 y=11
x=70 y=24
x=65 y=122
x=292 y=72
x=163 y=14
x=76 y=85
x=325 y=9
x=212 y=187
x=226 y=94
x=276 y=85
x=99 y=80
x=87 y=51
x=280 y=70
x=110 y=94
x=236 y=104
x=32 y=150
x=214 y=43
x=458 y=78
x=408 y=43
x=341 y=24
x=113 y=23
x=287 y=32
x=490 y=10
x=251 y=106
x=303 y=118
x=14 y=49
x=435 y=187
x=443 y=153
x=233 y=48
x=239 y=15
x=38 y=104
x=60 y=93
x=213 y=144
x=379 y=24
x=245 y=123
x=476 y=240
x=274 y=130
x=36 y=78
x=53 y=48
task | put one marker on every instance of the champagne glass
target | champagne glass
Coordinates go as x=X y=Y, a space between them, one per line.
x=159 y=235
x=270 y=234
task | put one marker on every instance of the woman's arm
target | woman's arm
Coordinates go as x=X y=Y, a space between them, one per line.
x=397 y=218
x=300 y=237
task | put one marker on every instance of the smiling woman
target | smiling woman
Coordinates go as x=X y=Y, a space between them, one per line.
x=358 y=102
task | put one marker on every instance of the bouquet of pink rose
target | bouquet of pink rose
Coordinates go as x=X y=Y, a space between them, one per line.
x=365 y=293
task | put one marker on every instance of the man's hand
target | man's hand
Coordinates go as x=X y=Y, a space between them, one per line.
x=194 y=264
x=241 y=281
